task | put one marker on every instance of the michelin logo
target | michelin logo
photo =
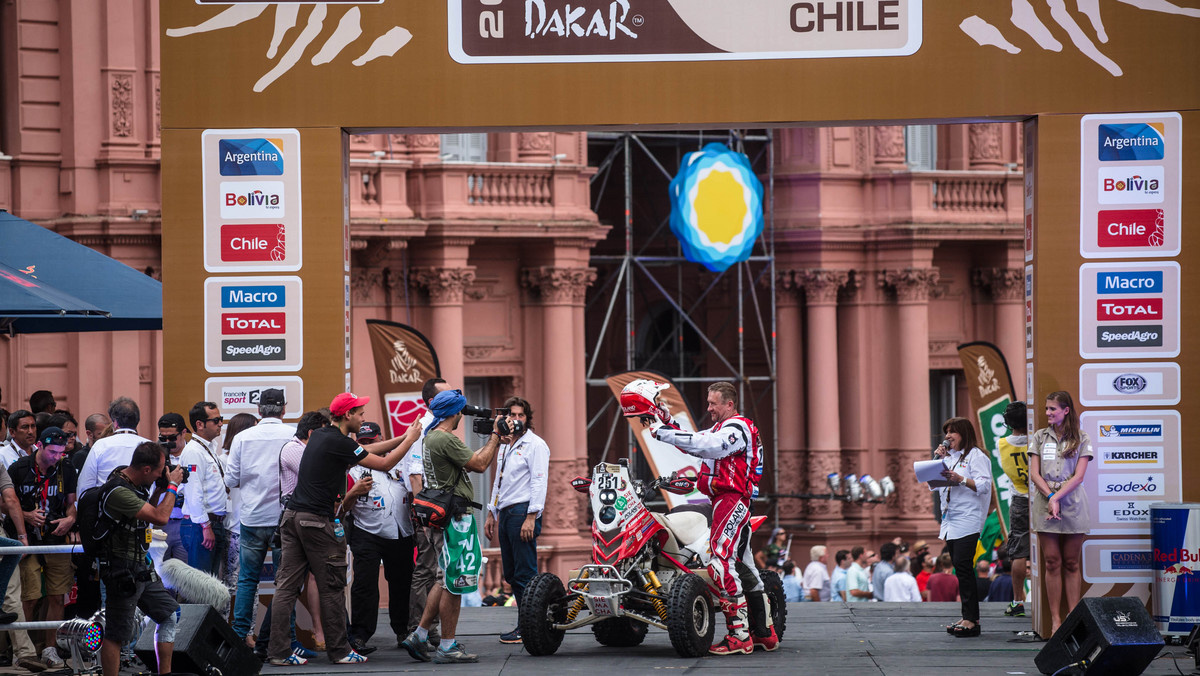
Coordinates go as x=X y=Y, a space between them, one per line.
x=1146 y=431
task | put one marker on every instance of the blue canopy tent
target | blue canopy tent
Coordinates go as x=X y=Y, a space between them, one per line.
x=51 y=284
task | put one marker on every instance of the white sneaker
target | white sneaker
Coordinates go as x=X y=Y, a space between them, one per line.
x=51 y=658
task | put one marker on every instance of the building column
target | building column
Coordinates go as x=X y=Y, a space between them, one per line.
x=789 y=351
x=822 y=402
x=1006 y=287
x=445 y=286
x=561 y=292
x=912 y=288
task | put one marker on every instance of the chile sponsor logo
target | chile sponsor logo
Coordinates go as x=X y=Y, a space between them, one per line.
x=1130 y=228
x=1150 y=281
x=1146 y=431
x=251 y=156
x=1138 y=141
x=1131 y=185
x=1135 y=485
x=253 y=242
x=1127 y=309
x=253 y=323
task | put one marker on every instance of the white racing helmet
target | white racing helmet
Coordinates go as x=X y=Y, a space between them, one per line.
x=639 y=398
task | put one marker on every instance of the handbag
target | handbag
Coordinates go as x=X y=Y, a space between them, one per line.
x=435 y=507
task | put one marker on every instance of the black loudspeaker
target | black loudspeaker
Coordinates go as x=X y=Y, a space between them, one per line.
x=204 y=645
x=1115 y=635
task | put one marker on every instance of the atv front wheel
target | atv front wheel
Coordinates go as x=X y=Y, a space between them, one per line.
x=773 y=586
x=543 y=605
x=620 y=632
x=690 y=622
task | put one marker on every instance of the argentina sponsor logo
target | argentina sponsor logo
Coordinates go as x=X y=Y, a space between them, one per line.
x=1152 y=431
x=253 y=296
x=251 y=156
x=1148 y=281
x=251 y=199
x=1127 y=456
x=1137 y=141
x=1131 y=185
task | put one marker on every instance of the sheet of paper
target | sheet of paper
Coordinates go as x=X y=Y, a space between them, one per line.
x=929 y=470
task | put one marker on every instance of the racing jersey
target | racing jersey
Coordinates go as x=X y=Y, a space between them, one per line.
x=731 y=452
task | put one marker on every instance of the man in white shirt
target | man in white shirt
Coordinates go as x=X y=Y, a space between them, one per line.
x=901 y=585
x=203 y=528
x=254 y=467
x=816 y=575
x=425 y=569
x=518 y=500
x=22 y=427
x=114 y=450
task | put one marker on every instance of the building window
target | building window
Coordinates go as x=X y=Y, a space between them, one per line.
x=920 y=146
x=943 y=401
x=464 y=147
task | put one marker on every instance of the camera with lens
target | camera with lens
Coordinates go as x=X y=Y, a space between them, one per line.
x=162 y=481
x=484 y=423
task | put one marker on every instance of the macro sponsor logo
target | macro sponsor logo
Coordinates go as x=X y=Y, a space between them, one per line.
x=247 y=199
x=254 y=350
x=1139 y=141
x=1126 y=309
x=1135 y=560
x=253 y=296
x=1129 y=336
x=251 y=156
x=253 y=323
x=1144 y=430
x=1132 y=485
x=1131 y=185
x=1130 y=228
x=1129 y=383
x=1150 y=281
x=253 y=242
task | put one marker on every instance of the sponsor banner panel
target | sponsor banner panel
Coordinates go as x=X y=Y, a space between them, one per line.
x=1118 y=560
x=252 y=200
x=1129 y=310
x=404 y=360
x=1130 y=384
x=1136 y=461
x=240 y=394
x=1029 y=313
x=1130 y=186
x=253 y=324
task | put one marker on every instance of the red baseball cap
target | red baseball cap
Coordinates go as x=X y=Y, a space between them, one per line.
x=345 y=401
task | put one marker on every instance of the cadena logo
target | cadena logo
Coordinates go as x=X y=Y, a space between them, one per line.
x=244 y=199
x=1131 y=185
x=1129 y=383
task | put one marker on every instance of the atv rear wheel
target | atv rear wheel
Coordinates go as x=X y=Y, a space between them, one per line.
x=690 y=622
x=773 y=587
x=543 y=605
x=620 y=632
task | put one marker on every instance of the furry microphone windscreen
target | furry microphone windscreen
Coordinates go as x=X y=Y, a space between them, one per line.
x=194 y=586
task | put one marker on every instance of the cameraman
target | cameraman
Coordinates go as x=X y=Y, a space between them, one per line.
x=124 y=568
x=518 y=499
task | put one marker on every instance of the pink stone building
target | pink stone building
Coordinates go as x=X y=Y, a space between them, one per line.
x=893 y=244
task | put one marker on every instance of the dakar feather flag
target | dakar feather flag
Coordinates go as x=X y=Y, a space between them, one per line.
x=404 y=360
x=990 y=387
x=663 y=458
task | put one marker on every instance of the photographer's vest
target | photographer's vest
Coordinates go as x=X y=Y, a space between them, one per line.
x=126 y=535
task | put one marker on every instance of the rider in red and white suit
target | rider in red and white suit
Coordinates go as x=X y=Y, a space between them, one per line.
x=732 y=453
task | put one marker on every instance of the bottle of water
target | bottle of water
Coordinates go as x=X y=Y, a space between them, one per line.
x=338 y=530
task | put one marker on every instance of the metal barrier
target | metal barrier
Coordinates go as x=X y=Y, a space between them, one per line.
x=37 y=549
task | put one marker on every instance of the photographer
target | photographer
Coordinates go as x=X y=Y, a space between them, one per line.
x=173 y=435
x=127 y=510
x=518 y=499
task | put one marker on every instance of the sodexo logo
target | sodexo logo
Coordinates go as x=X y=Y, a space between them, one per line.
x=246 y=199
x=1140 y=141
x=1132 y=484
x=1131 y=185
x=1129 y=383
x=251 y=156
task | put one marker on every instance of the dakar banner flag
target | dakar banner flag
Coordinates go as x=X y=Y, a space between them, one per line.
x=663 y=458
x=990 y=387
x=404 y=360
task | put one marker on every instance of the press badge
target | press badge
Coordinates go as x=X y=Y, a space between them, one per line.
x=1049 y=451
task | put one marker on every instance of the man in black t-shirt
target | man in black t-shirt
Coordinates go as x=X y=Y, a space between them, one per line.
x=311 y=541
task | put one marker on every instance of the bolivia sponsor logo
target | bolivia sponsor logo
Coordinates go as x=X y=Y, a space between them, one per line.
x=1126 y=309
x=254 y=350
x=1129 y=383
x=1135 y=560
x=1146 y=430
x=1149 y=457
x=251 y=156
x=1150 y=281
x=1130 y=228
x=244 y=199
x=1126 y=335
x=1132 y=484
x=1120 y=142
x=253 y=322
x=1131 y=185
x=253 y=242
x=253 y=296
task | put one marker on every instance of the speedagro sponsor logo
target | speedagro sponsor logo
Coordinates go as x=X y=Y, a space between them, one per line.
x=251 y=156
x=1129 y=336
x=1129 y=383
x=1139 y=141
x=1131 y=185
x=1133 y=484
x=254 y=350
x=1130 y=228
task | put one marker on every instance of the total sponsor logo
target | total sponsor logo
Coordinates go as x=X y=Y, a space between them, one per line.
x=1150 y=458
x=253 y=323
x=251 y=199
x=1126 y=335
x=1137 y=485
x=250 y=156
x=1129 y=281
x=253 y=242
x=254 y=350
x=1131 y=185
x=1138 y=141
x=1140 y=431
x=1126 y=309
x=1138 y=228
x=251 y=296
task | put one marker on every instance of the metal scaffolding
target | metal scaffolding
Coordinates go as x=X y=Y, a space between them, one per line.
x=635 y=272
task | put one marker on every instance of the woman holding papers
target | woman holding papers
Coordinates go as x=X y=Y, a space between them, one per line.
x=1058 y=459
x=965 y=491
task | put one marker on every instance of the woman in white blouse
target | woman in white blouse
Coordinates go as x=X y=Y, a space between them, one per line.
x=965 y=493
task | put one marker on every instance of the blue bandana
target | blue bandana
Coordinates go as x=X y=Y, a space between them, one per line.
x=444 y=406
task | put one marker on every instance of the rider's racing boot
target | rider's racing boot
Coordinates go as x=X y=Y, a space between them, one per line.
x=762 y=626
x=738 y=640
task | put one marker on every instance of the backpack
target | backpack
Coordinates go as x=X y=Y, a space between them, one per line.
x=94 y=525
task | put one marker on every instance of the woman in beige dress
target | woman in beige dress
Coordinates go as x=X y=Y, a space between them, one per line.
x=1058 y=459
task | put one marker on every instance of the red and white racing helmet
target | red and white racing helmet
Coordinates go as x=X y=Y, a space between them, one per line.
x=639 y=398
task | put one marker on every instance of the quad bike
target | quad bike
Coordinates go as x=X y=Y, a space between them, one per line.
x=648 y=569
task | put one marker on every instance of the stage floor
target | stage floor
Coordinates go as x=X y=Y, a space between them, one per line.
x=822 y=638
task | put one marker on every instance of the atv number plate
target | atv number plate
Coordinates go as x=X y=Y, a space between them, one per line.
x=610 y=482
x=600 y=606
